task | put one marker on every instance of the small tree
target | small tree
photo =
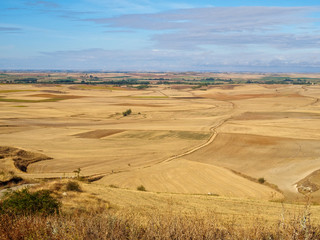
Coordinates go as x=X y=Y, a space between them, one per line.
x=126 y=113
x=77 y=171
x=261 y=180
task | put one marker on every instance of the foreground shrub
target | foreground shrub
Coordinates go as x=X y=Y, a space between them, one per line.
x=73 y=186
x=24 y=203
x=261 y=180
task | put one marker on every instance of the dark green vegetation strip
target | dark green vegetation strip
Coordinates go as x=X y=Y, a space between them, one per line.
x=131 y=80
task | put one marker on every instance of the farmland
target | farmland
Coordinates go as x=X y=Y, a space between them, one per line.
x=209 y=144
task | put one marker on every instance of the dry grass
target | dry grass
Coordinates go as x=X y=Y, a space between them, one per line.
x=242 y=212
x=129 y=225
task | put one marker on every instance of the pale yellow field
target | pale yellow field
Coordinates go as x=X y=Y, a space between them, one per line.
x=176 y=140
x=181 y=176
x=240 y=212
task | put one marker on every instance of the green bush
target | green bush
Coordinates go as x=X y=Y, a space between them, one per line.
x=24 y=202
x=126 y=113
x=261 y=180
x=142 y=87
x=73 y=186
x=141 y=188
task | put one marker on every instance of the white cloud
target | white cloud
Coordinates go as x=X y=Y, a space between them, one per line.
x=277 y=39
x=168 y=60
x=191 y=28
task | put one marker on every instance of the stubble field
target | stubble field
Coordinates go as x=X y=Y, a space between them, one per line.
x=215 y=141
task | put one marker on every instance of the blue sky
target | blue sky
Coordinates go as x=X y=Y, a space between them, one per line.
x=144 y=35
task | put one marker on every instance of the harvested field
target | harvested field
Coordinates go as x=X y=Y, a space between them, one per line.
x=281 y=161
x=276 y=115
x=182 y=176
x=260 y=131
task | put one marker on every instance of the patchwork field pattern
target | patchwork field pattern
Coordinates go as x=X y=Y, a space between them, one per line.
x=215 y=140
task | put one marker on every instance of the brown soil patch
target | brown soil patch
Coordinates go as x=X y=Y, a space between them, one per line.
x=21 y=157
x=224 y=87
x=98 y=133
x=53 y=91
x=56 y=96
x=101 y=87
x=276 y=115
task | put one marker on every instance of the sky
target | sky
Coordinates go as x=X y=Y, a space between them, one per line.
x=168 y=35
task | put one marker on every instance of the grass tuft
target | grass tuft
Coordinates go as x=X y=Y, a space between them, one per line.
x=73 y=186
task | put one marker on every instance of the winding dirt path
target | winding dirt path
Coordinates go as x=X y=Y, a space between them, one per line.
x=316 y=99
x=194 y=149
x=229 y=111
x=210 y=140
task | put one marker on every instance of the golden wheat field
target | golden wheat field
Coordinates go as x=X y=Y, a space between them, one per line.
x=204 y=147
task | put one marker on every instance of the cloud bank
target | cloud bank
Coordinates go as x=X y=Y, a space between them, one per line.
x=275 y=39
